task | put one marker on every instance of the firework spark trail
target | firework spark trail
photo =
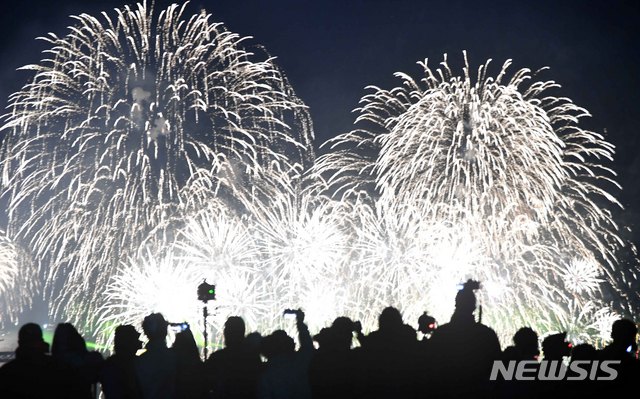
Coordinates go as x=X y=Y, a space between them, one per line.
x=147 y=284
x=283 y=247
x=211 y=245
x=221 y=247
x=17 y=280
x=115 y=123
x=504 y=166
x=161 y=141
x=303 y=244
x=8 y=263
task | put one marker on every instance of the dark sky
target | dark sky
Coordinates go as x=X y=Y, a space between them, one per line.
x=331 y=50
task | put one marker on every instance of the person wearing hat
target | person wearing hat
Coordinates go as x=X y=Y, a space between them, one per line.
x=463 y=351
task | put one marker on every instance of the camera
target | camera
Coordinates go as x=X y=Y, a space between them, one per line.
x=290 y=313
x=426 y=324
x=469 y=285
x=206 y=292
x=179 y=327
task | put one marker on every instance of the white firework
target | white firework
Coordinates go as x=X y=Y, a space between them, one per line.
x=588 y=321
x=300 y=237
x=18 y=280
x=216 y=240
x=162 y=141
x=9 y=267
x=245 y=294
x=125 y=114
x=502 y=163
x=222 y=248
x=603 y=320
x=582 y=276
x=150 y=285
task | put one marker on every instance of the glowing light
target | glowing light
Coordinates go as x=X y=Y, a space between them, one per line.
x=490 y=178
x=130 y=121
x=145 y=285
x=152 y=151
x=17 y=280
x=8 y=264
x=581 y=276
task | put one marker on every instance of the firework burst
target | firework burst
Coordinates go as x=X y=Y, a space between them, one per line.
x=302 y=240
x=145 y=285
x=124 y=114
x=163 y=141
x=8 y=264
x=488 y=177
x=18 y=280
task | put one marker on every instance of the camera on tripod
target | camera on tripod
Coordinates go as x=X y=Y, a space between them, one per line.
x=426 y=324
x=206 y=292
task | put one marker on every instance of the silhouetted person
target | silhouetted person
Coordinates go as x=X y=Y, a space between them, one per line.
x=118 y=375
x=555 y=347
x=32 y=374
x=82 y=367
x=332 y=372
x=252 y=342
x=389 y=358
x=190 y=378
x=584 y=388
x=525 y=346
x=623 y=346
x=463 y=351
x=156 y=367
x=232 y=372
x=583 y=352
x=286 y=373
x=623 y=349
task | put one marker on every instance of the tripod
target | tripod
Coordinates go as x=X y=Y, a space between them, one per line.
x=206 y=292
x=205 y=314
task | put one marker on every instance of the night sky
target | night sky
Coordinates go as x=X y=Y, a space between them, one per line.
x=331 y=50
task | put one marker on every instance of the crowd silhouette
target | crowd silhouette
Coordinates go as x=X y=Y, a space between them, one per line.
x=455 y=360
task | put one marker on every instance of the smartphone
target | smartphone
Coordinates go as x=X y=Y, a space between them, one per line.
x=289 y=313
x=179 y=327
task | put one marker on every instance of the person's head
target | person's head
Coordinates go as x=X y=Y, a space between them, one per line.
x=155 y=327
x=526 y=342
x=465 y=300
x=623 y=332
x=283 y=342
x=583 y=352
x=253 y=341
x=30 y=339
x=390 y=319
x=126 y=340
x=185 y=346
x=234 y=330
x=66 y=339
x=276 y=344
x=342 y=332
x=323 y=338
x=555 y=346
